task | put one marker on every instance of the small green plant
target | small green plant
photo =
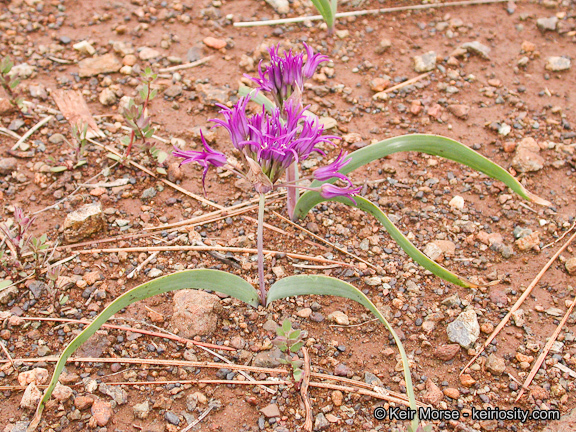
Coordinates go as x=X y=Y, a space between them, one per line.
x=20 y=241
x=327 y=9
x=79 y=141
x=289 y=342
x=9 y=83
x=139 y=121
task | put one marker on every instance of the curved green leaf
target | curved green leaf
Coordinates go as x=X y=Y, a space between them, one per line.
x=213 y=280
x=437 y=146
x=256 y=97
x=324 y=285
x=312 y=198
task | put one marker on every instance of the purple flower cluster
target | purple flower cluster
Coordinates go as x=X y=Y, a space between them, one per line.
x=287 y=74
x=275 y=140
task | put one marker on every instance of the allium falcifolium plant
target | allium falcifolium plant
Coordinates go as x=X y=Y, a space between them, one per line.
x=327 y=9
x=272 y=141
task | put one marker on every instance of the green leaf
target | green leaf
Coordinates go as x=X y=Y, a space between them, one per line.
x=14 y=83
x=294 y=335
x=296 y=347
x=161 y=156
x=437 y=146
x=153 y=94
x=286 y=326
x=324 y=285
x=213 y=280
x=58 y=169
x=297 y=374
x=161 y=170
x=114 y=157
x=311 y=199
x=5 y=283
x=258 y=98
x=80 y=163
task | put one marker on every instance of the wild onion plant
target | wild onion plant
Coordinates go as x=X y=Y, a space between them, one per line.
x=270 y=142
x=327 y=9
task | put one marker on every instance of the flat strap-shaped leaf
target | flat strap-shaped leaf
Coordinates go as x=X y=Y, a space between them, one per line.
x=312 y=198
x=437 y=146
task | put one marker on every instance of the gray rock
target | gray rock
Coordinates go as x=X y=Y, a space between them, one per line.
x=94 y=347
x=147 y=53
x=495 y=365
x=194 y=54
x=16 y=124
x=477 y=48
x=526 y=161
x=8 y=165
x=280 y=6
x=383 y=46
x=172 y=418
x=210 y=95
x=38 y=91
x=321 y=423
x=195 y=313
x=558 y=64
x=108 y=63
x=20 y=426
x=23 y=71
x=425 y=62
x=370 y=378
x=83 y=223
x=173 y=91
x=31 y=397
x=107 y=97
x=148 y=193
x=56 y=138
x=547 y=24
x=268 y=359
x=37 y=288
x=115 y=392
x=8 y=294
x=464 y=330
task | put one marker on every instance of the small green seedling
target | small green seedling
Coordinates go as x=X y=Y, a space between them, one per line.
x=9 y=83
x=137 y=118
x=289 y=342
x=327 y=9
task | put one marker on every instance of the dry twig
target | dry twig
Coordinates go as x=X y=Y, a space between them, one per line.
x=304 y=391
x=211 y=248
x=133 y=330
x=31 y=131
x=545 y=351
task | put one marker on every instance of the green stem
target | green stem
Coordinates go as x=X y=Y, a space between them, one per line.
x=260 y=246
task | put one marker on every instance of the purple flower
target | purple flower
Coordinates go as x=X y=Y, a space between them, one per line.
x=208 y=157
x=271 y=140
x=313 y=61
x=328 y=191
x=285 y=75
x=327 y=172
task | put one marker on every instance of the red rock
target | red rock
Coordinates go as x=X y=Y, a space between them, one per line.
x=101 y=412
x=446 y=352
x=83 y=402
x=214 y=43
